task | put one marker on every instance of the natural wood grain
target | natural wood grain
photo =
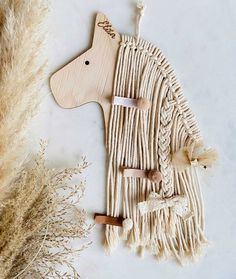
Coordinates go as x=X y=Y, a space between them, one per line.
x=108 y=220
x=89 y=78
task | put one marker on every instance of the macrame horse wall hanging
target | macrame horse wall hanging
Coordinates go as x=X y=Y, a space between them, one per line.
x=154 y=200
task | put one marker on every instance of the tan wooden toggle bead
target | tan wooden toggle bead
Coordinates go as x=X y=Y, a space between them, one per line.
x=154 y=176
x=143 y=104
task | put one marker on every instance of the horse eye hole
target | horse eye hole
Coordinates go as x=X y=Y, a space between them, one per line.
x=86 y=62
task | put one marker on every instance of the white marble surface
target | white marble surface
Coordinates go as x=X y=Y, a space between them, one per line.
x=199 y=39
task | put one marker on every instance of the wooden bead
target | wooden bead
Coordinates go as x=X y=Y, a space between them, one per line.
x=143 y=104
x=154 y=176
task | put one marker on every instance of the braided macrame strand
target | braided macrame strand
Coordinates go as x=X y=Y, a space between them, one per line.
x=145 y=140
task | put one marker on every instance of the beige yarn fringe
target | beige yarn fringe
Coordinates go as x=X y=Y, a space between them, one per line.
x=146 y=140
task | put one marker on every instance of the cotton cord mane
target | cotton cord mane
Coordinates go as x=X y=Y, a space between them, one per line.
x=146 y=140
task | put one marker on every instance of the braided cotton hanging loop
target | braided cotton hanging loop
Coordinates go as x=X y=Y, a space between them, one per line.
x=145 y=140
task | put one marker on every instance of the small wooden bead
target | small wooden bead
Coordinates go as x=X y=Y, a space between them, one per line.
x=154 y=176
x=127 y=224
x=143 y=104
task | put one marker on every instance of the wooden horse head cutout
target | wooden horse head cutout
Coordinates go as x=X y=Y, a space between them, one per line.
x=89 y=78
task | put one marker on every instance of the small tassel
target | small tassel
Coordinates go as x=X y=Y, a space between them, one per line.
x=127 y=225
x=207 y=158
x=195 y=155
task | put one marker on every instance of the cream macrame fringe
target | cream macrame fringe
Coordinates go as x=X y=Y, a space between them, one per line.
x=145 y=140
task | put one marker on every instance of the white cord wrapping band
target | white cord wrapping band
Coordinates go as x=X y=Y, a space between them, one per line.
x=125 y=102
x=139 y=103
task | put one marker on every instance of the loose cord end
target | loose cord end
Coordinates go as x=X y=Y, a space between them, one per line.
x=140 y=12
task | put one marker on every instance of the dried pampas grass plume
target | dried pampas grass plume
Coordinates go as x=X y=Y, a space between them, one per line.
x=39 y=221
x=194 y=154
x=21 y=76
x=39 y=216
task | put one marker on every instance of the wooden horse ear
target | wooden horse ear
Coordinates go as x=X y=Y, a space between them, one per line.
x=89 y=77
x=104 y=30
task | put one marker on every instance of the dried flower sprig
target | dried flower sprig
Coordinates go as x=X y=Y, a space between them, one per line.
x=42 y=218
